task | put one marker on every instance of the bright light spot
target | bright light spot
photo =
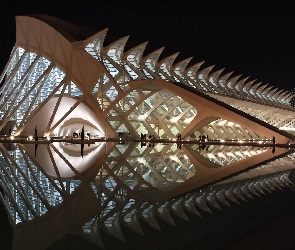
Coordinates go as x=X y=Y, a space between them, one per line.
x=30 y=138
x=173 y=157
x=141 y=117
x=260 y=142
x=11 y=137
x=230 y=124
x=174 y=119
x=221 y=123
x=188 y=120
x=48 y=138
x=141 y=160
x=240 y=141
x=222 y=140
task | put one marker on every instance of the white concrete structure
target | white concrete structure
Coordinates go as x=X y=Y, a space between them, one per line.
x=61 y=77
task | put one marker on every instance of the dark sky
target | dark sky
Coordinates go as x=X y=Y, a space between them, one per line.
x=253 y=38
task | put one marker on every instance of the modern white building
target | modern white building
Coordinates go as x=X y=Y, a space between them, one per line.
x=61 y=77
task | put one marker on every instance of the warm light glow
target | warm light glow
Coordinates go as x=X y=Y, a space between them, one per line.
x=188 y=120
x=48 y=138
x=222 y=140
x=11 y=137
x=173 y=157
x=174 y=119
x=141 y=160
x=260 y=142
x=141 y=117
x=30 y=138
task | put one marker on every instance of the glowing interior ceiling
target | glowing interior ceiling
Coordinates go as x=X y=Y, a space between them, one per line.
x=80 y=116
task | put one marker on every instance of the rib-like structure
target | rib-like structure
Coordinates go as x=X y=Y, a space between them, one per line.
x=62 y=77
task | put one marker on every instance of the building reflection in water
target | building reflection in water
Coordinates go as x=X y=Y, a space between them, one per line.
x=47 y=197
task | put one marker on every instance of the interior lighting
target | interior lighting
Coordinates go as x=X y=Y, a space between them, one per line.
x=141 y=117
x=188 y=120
x=174 y=119
x=230 y=124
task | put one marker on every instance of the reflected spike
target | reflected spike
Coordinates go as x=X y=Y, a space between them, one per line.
x=163 y=212
x=176 y=208
x=200 y=202
x=230 y=196
x=132 y=222
x=238 y=193
x=211 y=200
x=221 y=198
x=190 y=207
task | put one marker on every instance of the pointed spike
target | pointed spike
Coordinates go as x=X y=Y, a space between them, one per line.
x=115 y=232
x=230 y=196
x=238 y=194
x=132 y=224
x=225 y=77
x=221 y=198
x=192 y=70
x=214 y=76
x=232 y=81
x=168 y=61
x=211 y=200
x=163 y=213
x=182 y=64
x=154 y=55
x=147 y=215
x=202 y=204
x=205 y=72
x=190 y=207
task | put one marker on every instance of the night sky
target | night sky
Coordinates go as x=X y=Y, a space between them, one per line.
x=253 y=38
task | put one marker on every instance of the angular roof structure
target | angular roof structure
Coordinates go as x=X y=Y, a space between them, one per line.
x=61 y=83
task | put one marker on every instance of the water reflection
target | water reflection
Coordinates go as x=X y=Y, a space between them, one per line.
x=118 y=184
